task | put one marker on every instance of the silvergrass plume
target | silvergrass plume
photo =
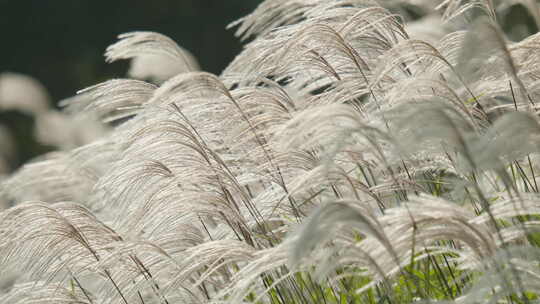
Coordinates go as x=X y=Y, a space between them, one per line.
x=344 y=156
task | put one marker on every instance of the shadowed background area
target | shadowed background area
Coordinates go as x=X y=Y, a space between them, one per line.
x=61 y=43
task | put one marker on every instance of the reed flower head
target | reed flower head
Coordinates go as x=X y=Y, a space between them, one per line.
x=345 y=155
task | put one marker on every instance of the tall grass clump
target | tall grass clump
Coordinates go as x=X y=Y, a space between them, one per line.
x=353 y=152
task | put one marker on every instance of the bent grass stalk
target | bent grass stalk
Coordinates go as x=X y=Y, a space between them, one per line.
x=409 y=168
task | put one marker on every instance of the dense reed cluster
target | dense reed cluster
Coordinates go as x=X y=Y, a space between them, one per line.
x=355 y=151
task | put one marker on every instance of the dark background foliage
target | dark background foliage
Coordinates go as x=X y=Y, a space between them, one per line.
x=61 y=42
